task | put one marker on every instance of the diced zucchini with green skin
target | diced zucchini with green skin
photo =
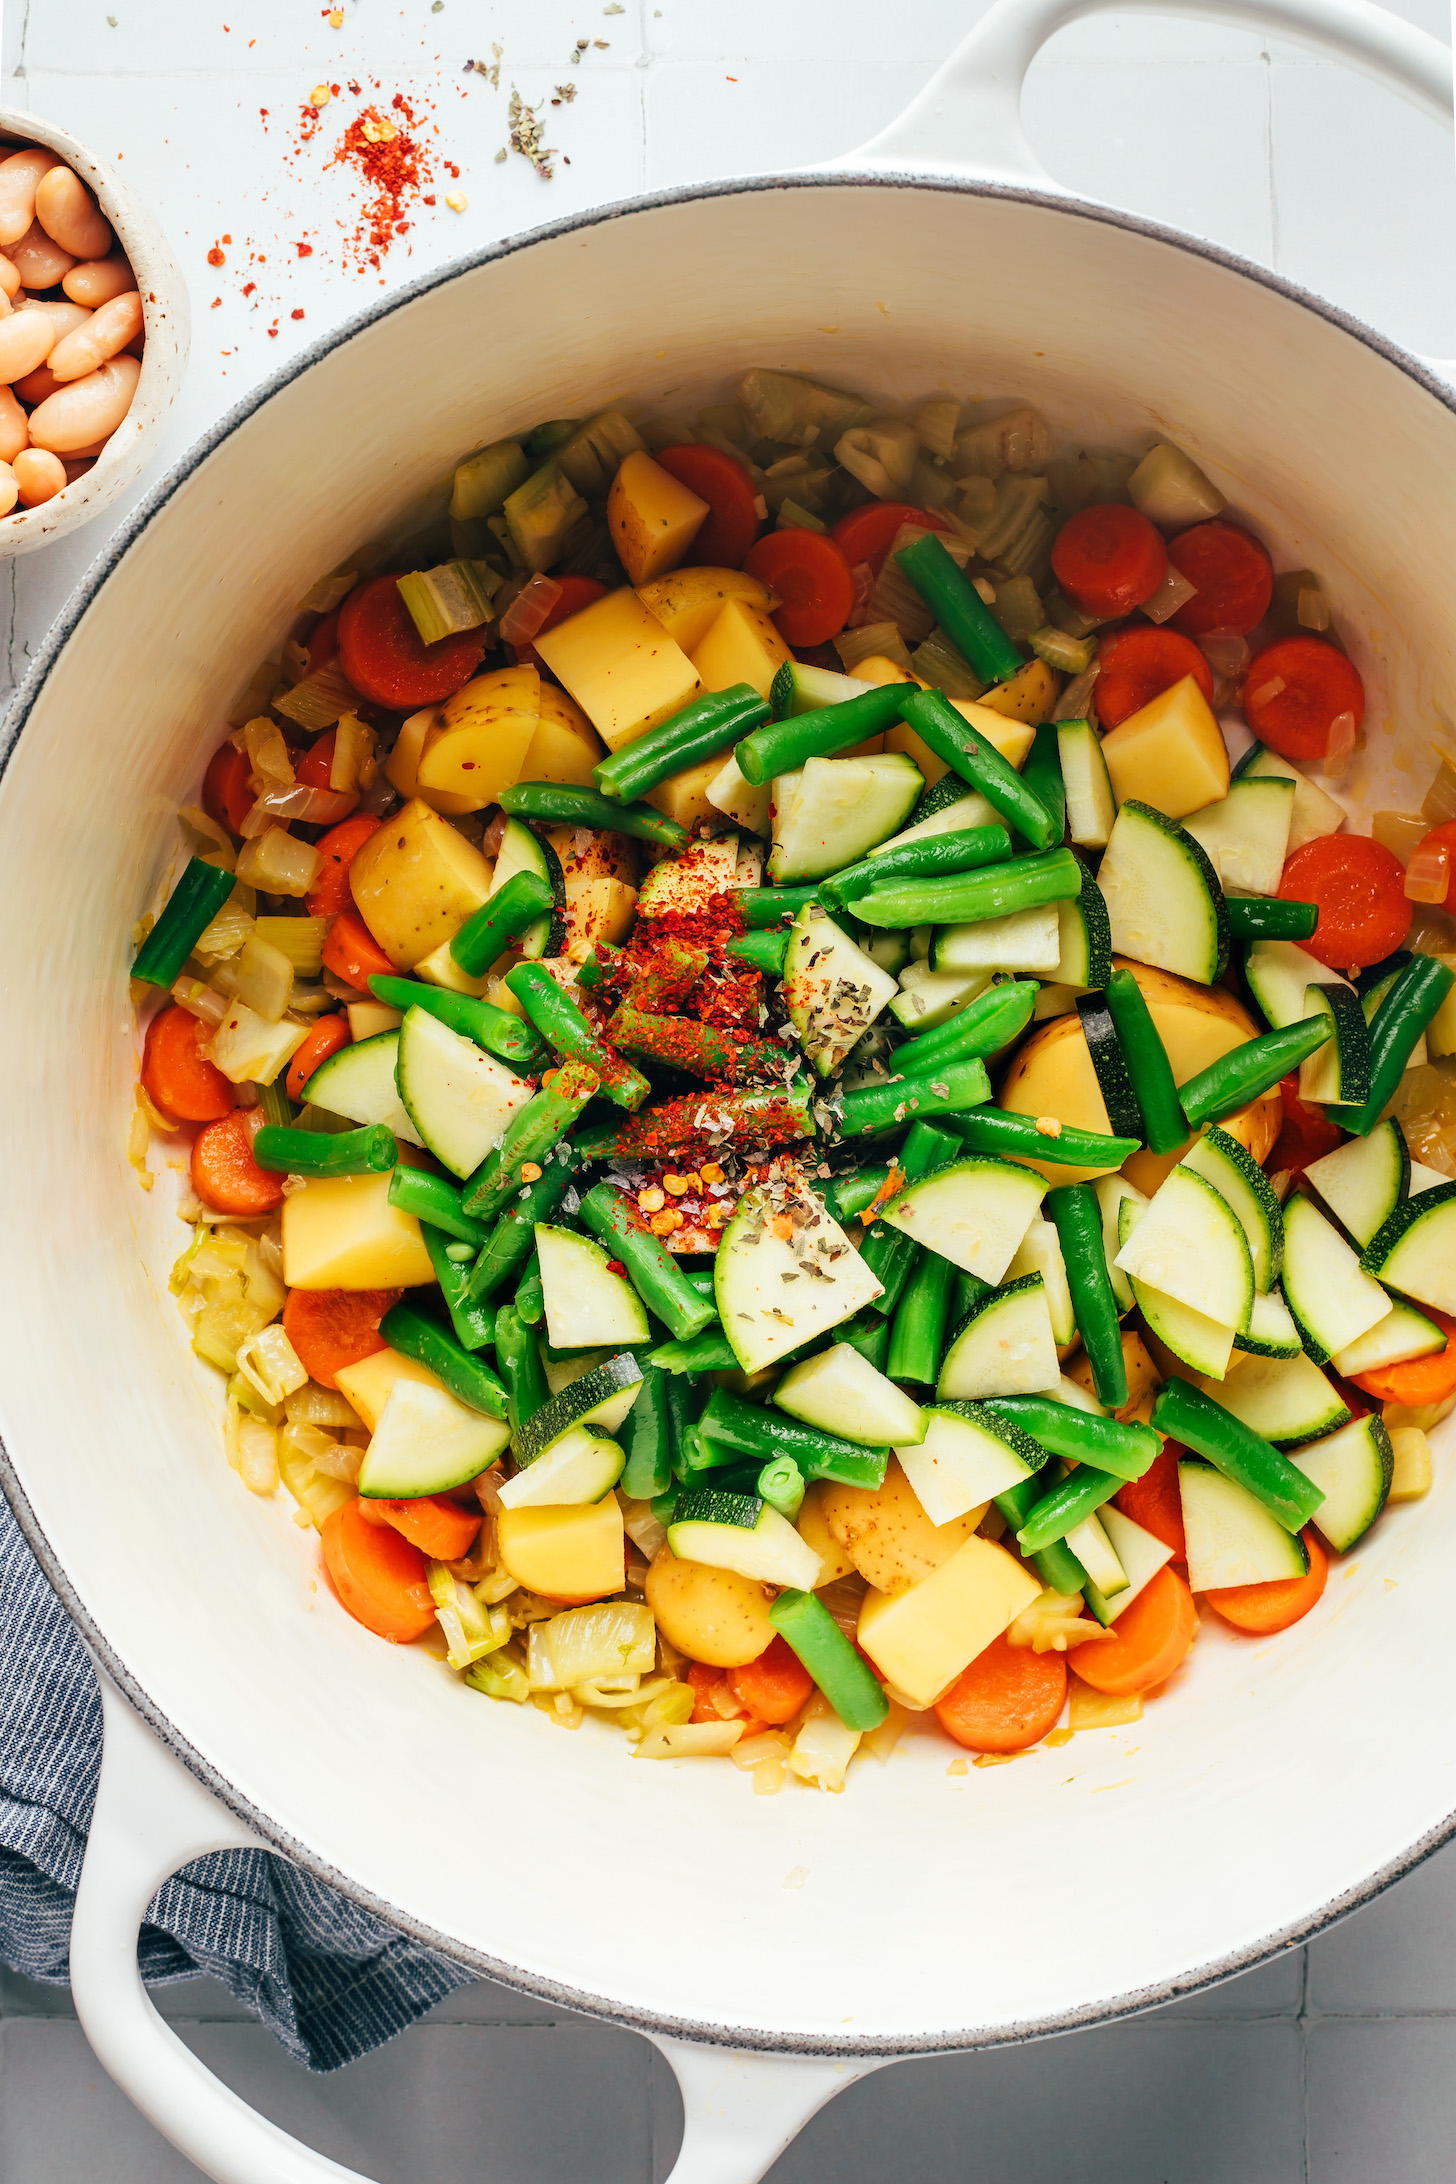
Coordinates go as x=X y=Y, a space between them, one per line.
x=1163 y=896
x=1415 y=1249
x=766 y=1300
x=583 y=1466
x=1404 y=1333
x=1353 y=1469
x=426 y=1442
x=832 y=989
x=459 y=1098
x=800 y=689
x=1190 y=1245
x=1280 y=973
x=841 y=1392
x=928 y=998
x=1339 y=1071
x=1111 y=1191
x=974 y=1212
x=1222 y=1161
x=1232 y=1538
x=1286 y=1399
x=967 y=1457
x=1141 y=1556
x=541 y=514
x=951 y=815
x=359 y=1083
x=1246 y=833
x=1200 y=1342
x=602 y=1395
x=832 y=812
x=1054 y=1000
x=772 y=1552
x=587 y=1305
x=1093 y=1548
x=1271 y=1331
x=1040 y=1252
x=1086 y=939
x=1091 y=806
x=889 y=951
x=1331 y=1293
x=522 y=851
x=1362 y=1182
x=1026 y=940
x=1109 y=1066
x=1315 y=814
x=1423 y=1178
x=1003 y=1346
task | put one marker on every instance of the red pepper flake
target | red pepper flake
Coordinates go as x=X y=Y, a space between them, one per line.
x=215 y=256
x=305 y=250
x=396 y=169
x=296 y=314
x=215 y=302
x=248 y=290
x=615 y=1266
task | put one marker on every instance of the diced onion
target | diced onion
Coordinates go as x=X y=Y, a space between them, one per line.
x=354 y=765
x=216 y=846
x=279 y=864
x=1428 y=875
x=1440 y=803
x=203 y=1002
x=1226 y=654
x=268 y=755
x=1341 y=750
x=320 y=699
x=315 y=807
x=265 y=979
x=528 y=611
x=1274 y=688
x=257 y=1455
x=935 y=424
x=1019 y=439
x=1174 y=592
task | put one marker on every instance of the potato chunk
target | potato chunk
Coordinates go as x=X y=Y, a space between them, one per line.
x=569 y=1552
x=1170 y=754
x=620 y=665
x=688 y=602
x=742 y=646
x=922 y=1638
x=477 y=748
x=341 y=1232
x=652 y=517
x=415 y=882
x=711 y=1615
x=886 y=1533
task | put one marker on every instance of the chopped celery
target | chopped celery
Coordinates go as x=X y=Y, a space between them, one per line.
x=500 y=1676
x=243 y=1392
x=590 y=457
x=872 y=640
x=276 y=1105
x=319 y=700
x=1017 y=607
x=545 y=439
x=482 y=483
x=880 y=454
x=1019 y=533
x=246 y=1046
x=269 y=1361
x=936 y=421
x=1068 y=655
x=794 y=518
x=300 y=939
x=454 y=596
x=1019 y=439
x=939 y=663
x=781 y=406
x=1079 y=480
x=265 y=978
x=541 y=515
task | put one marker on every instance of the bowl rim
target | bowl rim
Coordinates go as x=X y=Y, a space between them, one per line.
x=758 y=2039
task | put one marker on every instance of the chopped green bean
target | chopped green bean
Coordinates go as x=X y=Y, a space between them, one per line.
x=781 y=745
x=513 y=1239
x=868 y=1333
x=559 y=1020
x=960 y=610
x=488 y=931
x=651 y=1268
x=191 y=907
x=1077 y=1497
x=649 y=1438
x=519 y=1356
x=917 y=1340
x=761 y=951
x=997 y=891
x=1042 y=774
x=1240 y=1076
x=764 y=906
x=530 y=1297
x=847 y=1682
x=704 y=725
x=708 y=1352
x=530 y=1135
x=1269 y=917
x=474 y=1324
x=682 y=1042
x=945 y=1091
x=1148 y=1067
x=1081 y=1435
x=984 y=1026
x=367 y=1151
x=562 y=803
x=496 y=1030
x=756 y=1118
x=407 y=1329
x=1418 y=992
x=1021 y=1137
x=436 y=1199
x=780 y=1483
x=1187 y=1415
x=752 y=1430
x=934 y=856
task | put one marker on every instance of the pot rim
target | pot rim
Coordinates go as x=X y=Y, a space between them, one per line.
x=653 y=2023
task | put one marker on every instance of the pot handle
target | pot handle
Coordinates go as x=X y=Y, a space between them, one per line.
x=968 y=117
x=151 y=1817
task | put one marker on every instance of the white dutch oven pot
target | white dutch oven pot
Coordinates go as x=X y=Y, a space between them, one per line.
x=775 y=1947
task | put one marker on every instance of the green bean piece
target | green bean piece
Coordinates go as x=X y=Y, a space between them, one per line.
x=1042 y=774
x=1074 y=1209
x=513 y=1239
x=1019 y=1137
x=848 y=1196
x=698 y=1453
x=649 y=1438
x=407 y=1329
x=917 y=1340
x=530 y=1136
x=1418 y=992
x=945 y=1091
x=1081 y=1435
x=530 y=1298
x=753 y=1430
x=675 y=970
x=591 y=972
x=488 y=931
x=367 y=1151
x=474 y=1324
x=868 y=1333
x=984 y=1026
x=276 y=1105
x=847 y=1682
x=651 y=1268
x=1153 y=1084
x=1269 y=917
x=890 y=1255
x=681 y=1042
x=1056 y=1566
x=761 y=951
x=496 y=1030
x=781 y=745
x=190 y=908
x=519 y=1356
x=1240 y=1076
x=559 y=1020
x=934 y=856
x=764 y=906
x=1069 y=1504
x=781 y=1484
x=758 y=1118
x=566 y=805
x=969 y=1287
x=1186 y=1414
x=705 y=725
x=960 y=610
x=435 y=1199
x=965 y=898
x=967 y=752
x=709 y=1352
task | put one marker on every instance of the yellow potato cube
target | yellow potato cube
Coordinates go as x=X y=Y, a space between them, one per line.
x=570 y=1552
x=1170 y=754
x=341 y=1232
x=688 y=602
x=600 y=912
x=439 y=968
x=922 y=1638
x=402 y=767
x=415 y=882
x=684 y=796
x=1029 y=695
x=368 y=1384
x=653 y=518
x=742 y=646
x=620 y=665
x=565 y=746
x=477 y=750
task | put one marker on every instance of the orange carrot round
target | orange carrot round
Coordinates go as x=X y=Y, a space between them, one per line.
x=1420 y=1380
x=435 y=1525
x=1148 y=1640
x=328 y=1035
x=377 y=1575
x=330 y=891
x=332 y=1328
x=1007 y=1699
x=176 y=1073
x=775 y=1686
x=1260 y=1610
x=353 y=954
x=1154 y=1502
x=225 y=1175
x=227 y=793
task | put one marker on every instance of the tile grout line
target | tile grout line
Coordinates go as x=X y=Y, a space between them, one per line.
x=1302 y=2023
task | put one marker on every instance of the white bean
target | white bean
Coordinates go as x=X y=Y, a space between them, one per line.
x=14 y=428
x=94 y=282
x=9 y=490
x=86 y=410
x=70 y=215
x=40 y=262
x=64 y=318
x=19 y=178
x=37 y=385
x=26 y=340
x=38 y=475
x=105 y=333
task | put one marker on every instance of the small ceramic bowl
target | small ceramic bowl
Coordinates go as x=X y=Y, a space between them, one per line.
x=166 y=322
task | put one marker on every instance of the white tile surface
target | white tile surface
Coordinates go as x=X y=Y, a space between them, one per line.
x=1295 y=163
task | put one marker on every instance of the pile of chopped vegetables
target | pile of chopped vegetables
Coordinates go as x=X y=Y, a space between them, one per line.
x=798 y=1148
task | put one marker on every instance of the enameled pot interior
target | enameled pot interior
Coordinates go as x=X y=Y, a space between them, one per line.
x=920 y=1908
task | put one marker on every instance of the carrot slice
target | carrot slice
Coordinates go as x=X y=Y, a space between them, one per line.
x=813 y=580
x=1442 y=840
x=323 y=641
x=377 y=1575
x=225 y=1175
x=384 y=657
x=176 y=1073
x=1154 y=1502
x=1138 y=664
x=1233 y=579
x=317 y=763
x=1307 y=1132
x=777 y=1684
x=328 y=1035
x=1262 y=1609
x=1108 y=559
x=1359 y=885
x=576 y=592
x=1294 y=692
x=731 y=524
x=1148 y=1640
x=1007 y=1699
x=439 y=1528
x=1420 y=1380
x=866 y=534
x=352 y=953
x=332 y=1328
x=338 y=848
x=227 y=794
